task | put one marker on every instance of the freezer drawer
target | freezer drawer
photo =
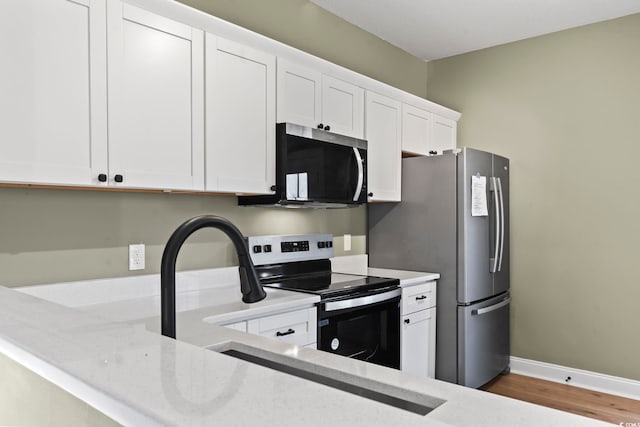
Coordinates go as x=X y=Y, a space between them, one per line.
x=483 y=340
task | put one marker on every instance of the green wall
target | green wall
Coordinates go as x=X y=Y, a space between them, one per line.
x=49 y=236
x=303 y=25
x=564 y=108
x=63 y=235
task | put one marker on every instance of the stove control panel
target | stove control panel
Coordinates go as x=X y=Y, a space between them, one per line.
x=289 y=248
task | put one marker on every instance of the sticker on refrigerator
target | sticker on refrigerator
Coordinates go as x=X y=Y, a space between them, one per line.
x=479 y=196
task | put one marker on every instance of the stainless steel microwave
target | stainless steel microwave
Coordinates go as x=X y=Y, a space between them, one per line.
x=316 y=168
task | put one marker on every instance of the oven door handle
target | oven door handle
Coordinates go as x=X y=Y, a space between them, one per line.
x=361 y=301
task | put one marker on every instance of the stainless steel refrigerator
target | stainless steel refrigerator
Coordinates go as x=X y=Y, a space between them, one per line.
x=454 y=220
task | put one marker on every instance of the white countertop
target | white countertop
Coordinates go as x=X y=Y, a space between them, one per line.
x=357 y=264
x=140 y=378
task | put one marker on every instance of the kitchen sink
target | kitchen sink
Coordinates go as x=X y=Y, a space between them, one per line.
x=383 y=393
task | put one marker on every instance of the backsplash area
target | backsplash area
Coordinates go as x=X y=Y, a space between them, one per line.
x=50 y=236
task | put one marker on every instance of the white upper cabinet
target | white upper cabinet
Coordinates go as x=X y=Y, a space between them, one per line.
x=307 y=97
x=342 y=107
x=156 y=101
x=240 y=118
x=426 y=133
x=53 y=91
x=299 y=94
x=384 y=150
x=443 y=134
x=416 y=130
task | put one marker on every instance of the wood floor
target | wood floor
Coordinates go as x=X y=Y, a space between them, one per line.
x=589 y=403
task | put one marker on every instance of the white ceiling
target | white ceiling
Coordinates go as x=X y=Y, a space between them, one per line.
x=434 y=29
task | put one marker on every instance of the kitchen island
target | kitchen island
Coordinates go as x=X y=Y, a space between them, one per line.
x=138 y=377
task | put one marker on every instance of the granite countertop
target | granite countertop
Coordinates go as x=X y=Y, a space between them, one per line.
x=138 y=377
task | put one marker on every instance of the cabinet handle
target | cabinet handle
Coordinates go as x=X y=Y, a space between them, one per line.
x=320 y=126
x=433 y=153
x=407 y=321
x=118 y=178
x=421 y=297
x=102 y=177
x=274 y=188
x=370 y=194
x=282 y=334
x=327 y=127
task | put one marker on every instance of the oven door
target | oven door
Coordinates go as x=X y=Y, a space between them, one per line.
x=364 y=326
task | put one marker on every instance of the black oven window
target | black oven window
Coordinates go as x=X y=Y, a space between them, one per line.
x=370 y=334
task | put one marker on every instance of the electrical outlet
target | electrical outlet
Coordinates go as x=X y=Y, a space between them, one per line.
x=136 y=257
x=347 y=242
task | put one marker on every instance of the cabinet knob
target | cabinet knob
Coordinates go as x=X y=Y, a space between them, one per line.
x=370 y=194
x=274 y=188
x=320 y=126
x=433 y=152
x=407 y=321
x=118 y=178
x=327 y=127
x=102 y=177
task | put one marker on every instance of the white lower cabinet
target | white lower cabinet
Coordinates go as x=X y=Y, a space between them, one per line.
x=418 y=333
x=296 y=327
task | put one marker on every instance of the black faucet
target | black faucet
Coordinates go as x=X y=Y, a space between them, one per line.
x=249 y=284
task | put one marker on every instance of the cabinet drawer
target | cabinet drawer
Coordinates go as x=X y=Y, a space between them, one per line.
x=418 y=297
x=296 y=327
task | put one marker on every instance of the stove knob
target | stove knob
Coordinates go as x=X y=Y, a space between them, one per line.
x=267 y=248
x=321 y=245
x=257 y=249
x=329 y=244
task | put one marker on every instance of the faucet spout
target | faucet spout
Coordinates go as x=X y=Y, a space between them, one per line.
x=250 y=286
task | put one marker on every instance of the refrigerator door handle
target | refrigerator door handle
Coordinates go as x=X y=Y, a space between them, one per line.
x=501 y=224
x=493 y=262
x=491 y=308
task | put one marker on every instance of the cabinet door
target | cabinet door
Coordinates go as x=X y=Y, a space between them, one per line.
x=241 y=119
x=299 y=94
x=384 y=151
x=418 y=340
x=53 y=91
x=443 y=134
x=156 y=100
x=416 y=130
x=342 y=107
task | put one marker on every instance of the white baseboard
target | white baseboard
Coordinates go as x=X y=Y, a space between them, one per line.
x=585 y=379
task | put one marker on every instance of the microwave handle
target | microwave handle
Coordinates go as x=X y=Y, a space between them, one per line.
x=356 y=195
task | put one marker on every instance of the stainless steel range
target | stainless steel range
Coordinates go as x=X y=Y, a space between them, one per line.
x=358 y=316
